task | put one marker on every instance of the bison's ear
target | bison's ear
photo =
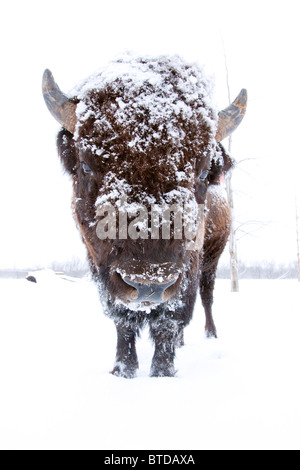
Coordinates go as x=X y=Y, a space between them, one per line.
x=220 y=166
x=67 y=151
x=228 y=162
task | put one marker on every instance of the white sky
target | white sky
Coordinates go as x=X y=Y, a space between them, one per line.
x=74 y=38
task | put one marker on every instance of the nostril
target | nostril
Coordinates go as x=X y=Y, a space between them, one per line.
x=124 y=290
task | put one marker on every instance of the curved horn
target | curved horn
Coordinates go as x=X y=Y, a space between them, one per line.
x=231 y=117
x=62 y=108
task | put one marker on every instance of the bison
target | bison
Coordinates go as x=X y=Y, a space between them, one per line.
x=141 y=141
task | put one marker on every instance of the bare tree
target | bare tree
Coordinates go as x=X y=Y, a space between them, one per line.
x=234 y=271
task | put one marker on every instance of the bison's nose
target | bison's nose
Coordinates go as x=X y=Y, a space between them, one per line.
x=154 y=293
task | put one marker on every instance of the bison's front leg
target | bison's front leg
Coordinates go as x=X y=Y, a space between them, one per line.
x=126 y=358
x=165 y=335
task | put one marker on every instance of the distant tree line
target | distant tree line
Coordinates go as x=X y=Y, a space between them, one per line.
x=257 y=270
x=261 y=270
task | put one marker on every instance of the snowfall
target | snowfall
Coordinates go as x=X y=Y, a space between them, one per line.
x=241 y=391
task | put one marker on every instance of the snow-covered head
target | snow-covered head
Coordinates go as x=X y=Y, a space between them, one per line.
x=140 y=134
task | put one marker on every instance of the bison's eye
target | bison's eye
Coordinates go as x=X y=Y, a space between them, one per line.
x=204 y=175
x=86 y=169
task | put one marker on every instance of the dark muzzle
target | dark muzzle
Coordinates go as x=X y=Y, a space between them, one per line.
x=153 y=293
x=140 y=282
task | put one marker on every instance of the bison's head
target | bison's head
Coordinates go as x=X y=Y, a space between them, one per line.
x=141 y=141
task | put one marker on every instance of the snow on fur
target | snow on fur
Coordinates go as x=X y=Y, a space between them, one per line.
x=148 y=87
x=154 y=98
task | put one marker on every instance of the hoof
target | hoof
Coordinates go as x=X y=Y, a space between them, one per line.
x=162 y=372
x=211 y=333
x=120 y=370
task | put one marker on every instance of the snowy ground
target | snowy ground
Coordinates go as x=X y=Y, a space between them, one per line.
x=241 y=391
